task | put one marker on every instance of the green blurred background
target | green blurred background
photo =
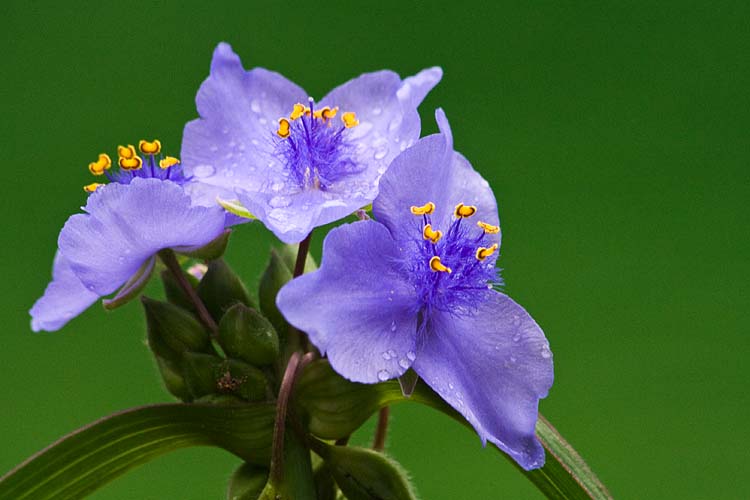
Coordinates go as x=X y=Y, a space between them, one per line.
x=616 y=140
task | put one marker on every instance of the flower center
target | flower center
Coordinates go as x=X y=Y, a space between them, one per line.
x=314 y=148
x=453 y=269
x=131 y=165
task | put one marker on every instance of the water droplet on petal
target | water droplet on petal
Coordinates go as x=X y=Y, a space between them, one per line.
x=386 y=356
x=379 y=155
x=450 y=386
x=394 y=125
x=411 y=355
x=203 y=170
x=393 y=326
x=377 y=111
x=280 y=201
x=383 y=375
x=403 y=146
x=403 y=363
x=255 y=106
x=392 y=353
x=546 y=354
x=262 y=121
x=517 y=337
x=360 y=130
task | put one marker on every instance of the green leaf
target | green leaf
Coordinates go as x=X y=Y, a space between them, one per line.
x=336 y=407
x=364 y=474
x=90 y=457
x=235 y=207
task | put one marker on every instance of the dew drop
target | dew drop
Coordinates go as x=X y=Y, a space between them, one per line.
x=203 y=170
x=403 y=146
x=262 y=121
x=360 y=130
x=450 y=386
x=517 y=337
x=377 y=111
x=277 y=186
x=393 y=326
x=280 y=201
x=512 y=359
x=545 y=352
x=225 y=131
x=255 y=106
x=91 y=287
x=254 y=142
x=386 y=356
x=214 y=149
x=379 y=155
x=121 y=259
x=394 y=125
x=392 y=353
x=383 y=375
x=411 y=355
x=403 y=363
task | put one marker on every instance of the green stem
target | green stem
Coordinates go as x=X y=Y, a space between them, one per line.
x=169 y=259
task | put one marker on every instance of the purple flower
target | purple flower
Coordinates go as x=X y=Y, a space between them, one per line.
x=294 y=163
x=416 y=288
x=126 y=222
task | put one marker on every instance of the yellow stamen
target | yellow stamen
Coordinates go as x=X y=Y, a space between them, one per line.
x=462 y=211
x=90 y=188
x=133 y=163
x=438 y=266
x=429 y=234
x=150 y=148
x=425 y=209
x=284 y=129
x=328 y=113
x=299 y=110
x=126 y=152
x=483 y=253
x=350 y=119
x=169 y=161
x=319 y=112
x=99 y=166
x=488 y=228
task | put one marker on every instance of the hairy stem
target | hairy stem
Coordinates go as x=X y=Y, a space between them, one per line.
x=169 y=259
x=378 y=443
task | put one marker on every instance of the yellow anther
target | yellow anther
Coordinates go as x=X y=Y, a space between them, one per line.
x=425 y=209
x=319 y=112
x=284 y=129
x=483 y=253
x=90 y=188
x=99 y=166
x=328 y=113
x=463 y=211
x=438 y=266
x=350 y=119
x=299 y=110
x=127 y=152
x=430 y=234
x=133 y=163
x=488 y=228
x=150 y=148
x=169 y=161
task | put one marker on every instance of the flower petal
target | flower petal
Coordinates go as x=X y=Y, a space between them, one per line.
x=386 y=108
x=493 y=367
x=125 y=224
x=65 y=298
x=232 y=140
x=356 y=308
x=431 y=171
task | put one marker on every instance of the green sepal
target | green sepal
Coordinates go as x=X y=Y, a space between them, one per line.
x=132 y=287
x=221 y=288
x=201 y=372
x=364 y=474
x=235 y=207
x=172 y=330
x=246 y=335
x=171 y=375
x=211 y=251
x=247 y=482
x=174 y=292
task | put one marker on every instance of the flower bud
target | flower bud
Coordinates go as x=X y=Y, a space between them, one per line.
x=244 y=380
x=363 y=474
x=172 y=330
x=247 y=482
x=246 y=335
x=201 y=373
x=174 y=292
x=276 y=275
x=221 y=288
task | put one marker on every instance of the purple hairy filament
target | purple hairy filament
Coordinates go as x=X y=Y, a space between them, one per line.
x=314 y=147
x=454 y=270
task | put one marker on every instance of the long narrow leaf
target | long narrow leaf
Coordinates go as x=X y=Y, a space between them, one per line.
x=92 y=456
